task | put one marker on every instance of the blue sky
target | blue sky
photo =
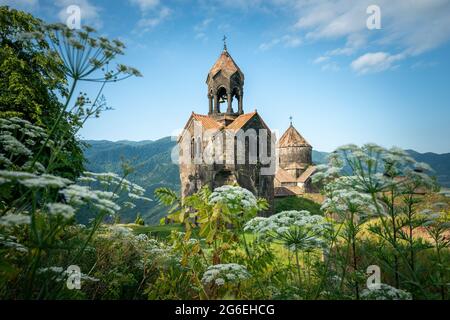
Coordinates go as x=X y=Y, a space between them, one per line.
x=314 y=60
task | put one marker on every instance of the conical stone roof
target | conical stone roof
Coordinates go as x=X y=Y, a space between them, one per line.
x=226 y=65
x=292 y=138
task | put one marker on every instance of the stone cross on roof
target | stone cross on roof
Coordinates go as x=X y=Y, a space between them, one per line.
x=224 y=43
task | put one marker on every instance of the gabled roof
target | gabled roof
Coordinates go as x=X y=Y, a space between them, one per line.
x=226 y=64
x=209 y=123
x=240 y=121
x=286 y=191
x=307 y=174
x=206 y=121
x=283 y=176
x=292 y=138
x=295 y=165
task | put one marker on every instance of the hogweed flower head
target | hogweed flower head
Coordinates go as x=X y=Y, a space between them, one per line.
x=221 y=274
x=385 y=292
x=236 y=198
x=297 y=230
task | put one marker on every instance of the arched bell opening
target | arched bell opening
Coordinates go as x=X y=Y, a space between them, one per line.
x=220 y=97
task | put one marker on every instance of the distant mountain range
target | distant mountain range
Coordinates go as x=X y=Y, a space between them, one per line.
x=154 y=168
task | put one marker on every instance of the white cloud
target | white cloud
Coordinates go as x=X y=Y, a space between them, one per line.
x=411 y=27
x=152 y=14
x=288 y=41
x=240 y=4
x=145 y=5
x=201 y=28
x=90 y=14
x=417 y=25
x=147 y=23
x=375 y=62
x=321 y=59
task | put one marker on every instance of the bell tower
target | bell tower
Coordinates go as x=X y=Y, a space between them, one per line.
x=225 y=88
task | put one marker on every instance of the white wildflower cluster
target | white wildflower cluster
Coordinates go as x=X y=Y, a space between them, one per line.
x=135 y=196
x=12 y=220
x=221 y=274
x=10 y=145
x=31 y=180
x=128 y=205
x=416 y=178
x=122 y=185
x=13 y=146
x=369 y=169
x=160 y=249
x=397 y=156
x=385 y=292
x=325 y=172
x=61 y=274
x=329 y=171
x=152 y=248
x=398 y=162
x=134 y=190
x=60 y=209
x=120 y=231
x=37 y=167
x=436 y=220
x=5 y=162
x=180 y=237
x=142 y=237
x=234 y=197
x=154 y=251
x=102 y=200
x=11 y=242
x=343 y=200
x=295 y=229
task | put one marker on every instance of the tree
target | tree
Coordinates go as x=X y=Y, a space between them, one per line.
x=31 y=79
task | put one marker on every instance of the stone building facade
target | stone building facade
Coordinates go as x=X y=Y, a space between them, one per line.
x=209 y=151
x=295 y=166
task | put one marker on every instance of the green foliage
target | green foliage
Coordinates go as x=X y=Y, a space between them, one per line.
x=30 y=70
x=39 y=236
x=297 y=203
x=31 y=78
x=139 y=220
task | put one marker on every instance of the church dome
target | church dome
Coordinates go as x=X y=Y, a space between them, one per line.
x=226 y=65
x=292 y=138
x=295 y=153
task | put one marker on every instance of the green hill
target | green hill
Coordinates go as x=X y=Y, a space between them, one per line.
x=151 y=161
x=154 y=168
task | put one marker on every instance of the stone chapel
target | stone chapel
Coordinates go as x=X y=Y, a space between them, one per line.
x=225 y=118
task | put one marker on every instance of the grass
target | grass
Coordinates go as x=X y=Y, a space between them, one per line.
x=160 y=231
x=297 y=203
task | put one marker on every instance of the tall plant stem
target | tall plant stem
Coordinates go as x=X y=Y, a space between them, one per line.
x=441 y=275
x=55 y=125
x=249 y=256
x=298 y=268
x=394 y=240
x=355 y=265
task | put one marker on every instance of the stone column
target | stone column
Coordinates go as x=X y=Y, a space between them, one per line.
x=230 y=106
x=210 y=99
x=216 y=104
x=240 y=107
